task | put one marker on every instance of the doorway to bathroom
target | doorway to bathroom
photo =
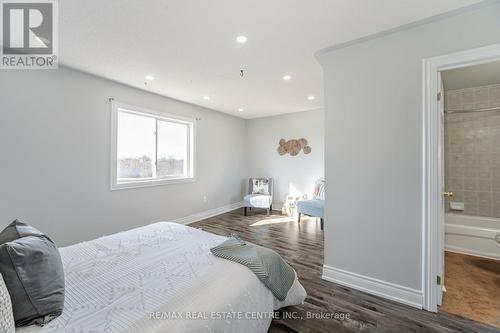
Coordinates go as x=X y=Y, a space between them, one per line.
x=461 y=225
x=471 y=116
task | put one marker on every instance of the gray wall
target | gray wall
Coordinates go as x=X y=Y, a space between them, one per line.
x=292 y=174
x=374 y=143
x=55 y=138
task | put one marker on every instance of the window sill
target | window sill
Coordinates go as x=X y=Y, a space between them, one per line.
x=150 y=183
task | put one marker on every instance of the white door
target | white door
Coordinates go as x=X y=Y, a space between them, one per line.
x=441 y=197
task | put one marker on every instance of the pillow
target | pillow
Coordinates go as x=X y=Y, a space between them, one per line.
x=319 y=189
x=32 y=270
x=260 y=186
x=17 y=230
x=6 y=316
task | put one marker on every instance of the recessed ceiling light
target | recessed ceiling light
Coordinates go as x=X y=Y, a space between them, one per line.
x=241 y=39
x=311 y=97
x=150 y=77
x=240 y=110
x=287 y=77
x=206 y=97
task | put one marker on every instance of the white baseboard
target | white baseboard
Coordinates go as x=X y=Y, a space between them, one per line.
x=471 y=252
x=208 y=213
x=373 y=286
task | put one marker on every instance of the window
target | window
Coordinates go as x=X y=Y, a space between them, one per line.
x=150 y=148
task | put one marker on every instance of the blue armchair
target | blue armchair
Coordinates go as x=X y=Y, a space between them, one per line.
x=316 y=206
x=260 y=194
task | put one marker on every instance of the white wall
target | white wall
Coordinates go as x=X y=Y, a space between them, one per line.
x=55 y=138
x=292 y=174
x=374 y=143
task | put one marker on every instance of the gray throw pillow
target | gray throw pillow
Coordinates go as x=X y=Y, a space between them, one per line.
x=17 y=230
x=32 y=270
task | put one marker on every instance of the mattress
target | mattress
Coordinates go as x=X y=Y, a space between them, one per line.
x=161 y=278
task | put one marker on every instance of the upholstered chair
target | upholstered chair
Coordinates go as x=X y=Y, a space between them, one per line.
x=259 y=197
x=316 y=206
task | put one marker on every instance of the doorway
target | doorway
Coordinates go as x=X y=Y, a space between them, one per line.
x=471 y=192
x=438 y=199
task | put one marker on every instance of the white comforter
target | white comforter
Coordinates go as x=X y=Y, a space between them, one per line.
x=139 y=280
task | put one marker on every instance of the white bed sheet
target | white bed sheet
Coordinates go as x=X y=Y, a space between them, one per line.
x=119 y=282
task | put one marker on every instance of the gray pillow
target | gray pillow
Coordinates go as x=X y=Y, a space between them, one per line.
x=32 y=270
x=17 y=230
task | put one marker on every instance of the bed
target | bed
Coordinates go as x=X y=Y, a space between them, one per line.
x=161 y=278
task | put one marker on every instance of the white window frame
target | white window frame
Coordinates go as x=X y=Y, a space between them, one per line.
x=162 y=116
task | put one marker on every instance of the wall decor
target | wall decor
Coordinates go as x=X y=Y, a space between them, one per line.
x=293 y=147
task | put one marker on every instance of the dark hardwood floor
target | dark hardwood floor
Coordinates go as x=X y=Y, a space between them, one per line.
x=302 y=247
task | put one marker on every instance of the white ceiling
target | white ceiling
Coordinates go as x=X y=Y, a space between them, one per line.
x=189 y=45
x=472 y=76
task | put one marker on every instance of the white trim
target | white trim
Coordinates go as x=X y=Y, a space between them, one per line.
x=487 y=222
x=435 y=18
x=431 y=171
x=208 y=213
x=471 y=231
x=457 y=249
x=392 y=291
x=152 y=113
x=150 y=183
x=115 y=106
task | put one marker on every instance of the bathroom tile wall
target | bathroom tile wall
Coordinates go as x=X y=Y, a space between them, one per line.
x=472 y=150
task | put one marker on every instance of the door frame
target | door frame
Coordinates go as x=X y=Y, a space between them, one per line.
x=432 y=224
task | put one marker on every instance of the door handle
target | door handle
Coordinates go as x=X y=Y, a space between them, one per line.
x=448 y=194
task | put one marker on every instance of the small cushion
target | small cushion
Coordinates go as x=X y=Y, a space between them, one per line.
x=319 y=189
x=260 y=186
x=33 y=273
x=6 y=317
